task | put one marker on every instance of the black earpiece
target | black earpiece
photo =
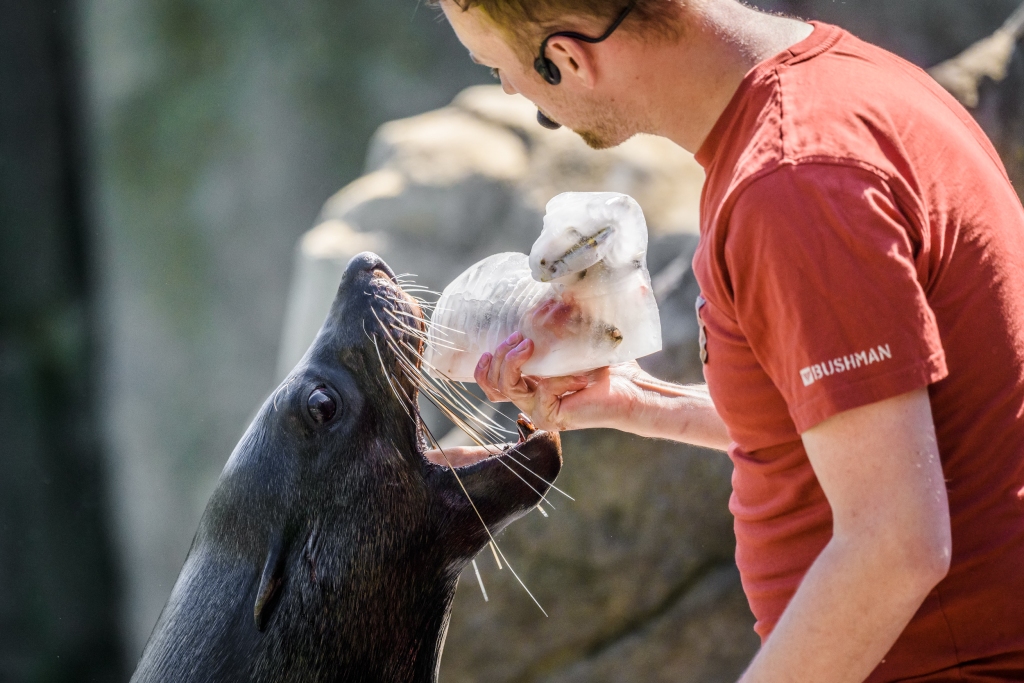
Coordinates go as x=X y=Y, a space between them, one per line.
x=547 y=69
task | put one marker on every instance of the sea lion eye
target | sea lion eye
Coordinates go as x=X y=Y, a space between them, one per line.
x=321 y=406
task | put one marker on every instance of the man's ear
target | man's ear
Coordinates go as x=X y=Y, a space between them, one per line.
x=573 y=59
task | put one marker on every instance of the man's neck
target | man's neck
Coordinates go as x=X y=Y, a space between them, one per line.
x=697 y=76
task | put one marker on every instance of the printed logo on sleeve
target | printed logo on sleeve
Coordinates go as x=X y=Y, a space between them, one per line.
x=812 y=374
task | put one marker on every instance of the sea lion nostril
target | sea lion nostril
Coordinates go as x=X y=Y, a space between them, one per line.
x=369 y=262
x=322 y=407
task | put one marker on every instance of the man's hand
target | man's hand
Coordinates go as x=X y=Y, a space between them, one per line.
x=600 y=398
x=620 y=397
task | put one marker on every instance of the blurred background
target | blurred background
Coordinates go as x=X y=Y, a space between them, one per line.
x=159 y=162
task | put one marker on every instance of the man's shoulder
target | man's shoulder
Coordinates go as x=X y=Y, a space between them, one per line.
x=855 y=101
x=845 y=105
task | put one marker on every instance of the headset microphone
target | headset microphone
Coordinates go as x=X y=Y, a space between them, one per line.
x=546 y=122
x=549 y=71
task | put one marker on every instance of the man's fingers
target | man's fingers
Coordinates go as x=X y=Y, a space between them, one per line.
x=480 y=374
x=511 y=376
x=556 y=386
x=550 y=401
x=498 y=361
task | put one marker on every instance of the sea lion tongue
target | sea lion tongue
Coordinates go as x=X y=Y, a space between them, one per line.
x=330 y=548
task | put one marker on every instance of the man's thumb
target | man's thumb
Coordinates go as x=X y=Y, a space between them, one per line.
x=557 y=386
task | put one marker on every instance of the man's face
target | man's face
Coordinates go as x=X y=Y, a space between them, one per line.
x=570 y=103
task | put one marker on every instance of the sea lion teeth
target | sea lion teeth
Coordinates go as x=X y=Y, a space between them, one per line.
x=526 y=427
x=366 y=596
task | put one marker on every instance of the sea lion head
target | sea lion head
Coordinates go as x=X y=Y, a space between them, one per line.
x=331 y=547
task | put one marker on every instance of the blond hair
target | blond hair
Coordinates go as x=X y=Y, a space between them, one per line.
x=527 y=21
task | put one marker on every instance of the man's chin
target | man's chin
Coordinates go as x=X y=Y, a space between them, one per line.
x=600 y=140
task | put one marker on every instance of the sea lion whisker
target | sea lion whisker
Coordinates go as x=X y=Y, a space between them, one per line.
x=397 y=314
x=387 y=377
x=521 y=464
x=395 y=300
x=420 y=334
x=438 y=401
x=403 y=329
x=437 y=398
x=480 y=580
x=542 y=496
x=479 y=438
x=419 y=290
x=494 y=551
x=441 y=396
x=277 y=392
x=459 y=390
x=406 y=327
x=494 y=545
x=442 y=345
x=388 y=338
x=388 y=297
x=480 y=442
x=450 y=411
x=439 y=326
x=479 y=416
x=485 y=432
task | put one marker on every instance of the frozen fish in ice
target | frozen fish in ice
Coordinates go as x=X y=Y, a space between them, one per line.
x=583 y=295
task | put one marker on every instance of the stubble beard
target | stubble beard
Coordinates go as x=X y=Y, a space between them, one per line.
x=605 y=130
x=598 y=141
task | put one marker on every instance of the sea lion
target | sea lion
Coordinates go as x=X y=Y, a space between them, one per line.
x=331 y=547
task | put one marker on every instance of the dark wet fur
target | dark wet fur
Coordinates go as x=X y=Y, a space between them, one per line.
x=331 y=552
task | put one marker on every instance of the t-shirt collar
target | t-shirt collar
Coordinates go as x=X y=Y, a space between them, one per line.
x=821 y=38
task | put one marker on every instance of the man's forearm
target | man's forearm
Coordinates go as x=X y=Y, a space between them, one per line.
x=679 y=413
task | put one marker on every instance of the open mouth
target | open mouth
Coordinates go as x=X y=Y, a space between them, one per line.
x=465 y=456
x=401 y=343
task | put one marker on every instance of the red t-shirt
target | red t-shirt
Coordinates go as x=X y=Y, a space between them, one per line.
x=859 y=240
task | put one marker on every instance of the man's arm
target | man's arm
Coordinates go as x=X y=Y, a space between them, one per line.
x=622 y=397
x=879 y=468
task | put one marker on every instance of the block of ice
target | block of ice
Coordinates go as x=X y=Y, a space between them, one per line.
x=583 y=295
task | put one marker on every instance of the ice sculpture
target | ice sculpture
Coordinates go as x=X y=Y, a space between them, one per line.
x=583 y=295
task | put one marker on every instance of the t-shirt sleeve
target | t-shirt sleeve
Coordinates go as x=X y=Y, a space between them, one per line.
x=827 y=290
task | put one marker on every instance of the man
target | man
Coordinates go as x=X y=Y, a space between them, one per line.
x=861 y=263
